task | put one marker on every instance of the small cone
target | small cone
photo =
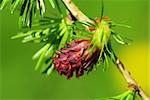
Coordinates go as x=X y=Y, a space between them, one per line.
x=76 y=58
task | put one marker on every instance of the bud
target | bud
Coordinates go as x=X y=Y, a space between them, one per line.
x=76 y=58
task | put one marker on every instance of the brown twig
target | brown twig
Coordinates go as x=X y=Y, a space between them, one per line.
x=76 y=12
x=132 y=84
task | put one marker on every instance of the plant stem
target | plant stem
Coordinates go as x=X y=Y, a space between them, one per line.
x=126 y=74
x=76 y=12
x=131 y=82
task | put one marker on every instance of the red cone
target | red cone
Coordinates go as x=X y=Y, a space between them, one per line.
x=76 y=57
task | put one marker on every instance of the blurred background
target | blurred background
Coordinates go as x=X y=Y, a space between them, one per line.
x=19 y=81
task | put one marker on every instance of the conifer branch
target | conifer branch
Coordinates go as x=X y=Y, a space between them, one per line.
x=132 y=84
x=76 y=12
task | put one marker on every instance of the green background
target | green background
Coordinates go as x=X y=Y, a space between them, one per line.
x=19 y=81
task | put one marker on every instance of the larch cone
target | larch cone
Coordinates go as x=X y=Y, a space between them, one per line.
x=76 y=58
